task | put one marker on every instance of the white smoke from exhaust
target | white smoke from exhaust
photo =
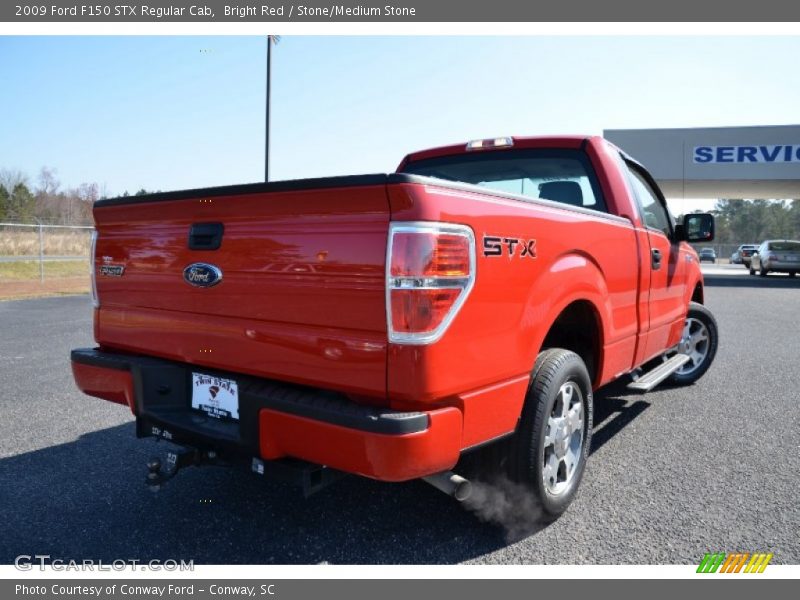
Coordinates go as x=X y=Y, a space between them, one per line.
x=505 y=503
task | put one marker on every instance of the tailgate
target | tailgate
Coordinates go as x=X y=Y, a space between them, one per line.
x=300 y=288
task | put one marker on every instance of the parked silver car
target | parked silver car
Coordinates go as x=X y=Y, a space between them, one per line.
x=743 y=254
x=776 y=256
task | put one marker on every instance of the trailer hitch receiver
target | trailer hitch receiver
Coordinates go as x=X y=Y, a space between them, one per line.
x=158 y=474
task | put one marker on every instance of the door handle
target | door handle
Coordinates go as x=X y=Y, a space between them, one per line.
x=655 y=259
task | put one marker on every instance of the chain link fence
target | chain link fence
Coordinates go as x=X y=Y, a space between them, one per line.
x=39 y=259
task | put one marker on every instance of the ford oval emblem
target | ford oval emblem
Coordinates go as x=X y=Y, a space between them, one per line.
x=202 y=275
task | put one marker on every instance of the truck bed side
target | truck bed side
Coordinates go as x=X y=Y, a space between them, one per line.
x=484 y=361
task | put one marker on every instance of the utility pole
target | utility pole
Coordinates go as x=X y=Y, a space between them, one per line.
x=271 y=39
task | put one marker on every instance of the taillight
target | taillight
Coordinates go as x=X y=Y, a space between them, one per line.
x=430 y=270
x=92 y=274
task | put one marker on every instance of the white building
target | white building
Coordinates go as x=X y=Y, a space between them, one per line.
x=718 y=162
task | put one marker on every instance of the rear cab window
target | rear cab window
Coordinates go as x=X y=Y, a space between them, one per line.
x=560 y=175
x=784 y=246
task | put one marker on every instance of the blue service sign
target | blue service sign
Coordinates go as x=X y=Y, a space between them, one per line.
x=747 y=154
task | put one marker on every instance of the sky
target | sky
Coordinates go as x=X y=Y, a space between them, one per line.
x=176 y=112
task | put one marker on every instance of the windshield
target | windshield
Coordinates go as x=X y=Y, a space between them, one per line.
x=564 y=176
x=785 y=246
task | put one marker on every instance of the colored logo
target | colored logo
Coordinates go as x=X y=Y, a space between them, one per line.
x=202 y=275
x=739 y=562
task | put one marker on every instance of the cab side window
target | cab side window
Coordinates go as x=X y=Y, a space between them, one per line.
x=654 y=214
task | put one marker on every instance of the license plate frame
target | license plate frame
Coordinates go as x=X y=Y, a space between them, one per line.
x=216 y=397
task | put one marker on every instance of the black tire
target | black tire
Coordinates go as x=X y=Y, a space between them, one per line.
x=752 y=270
x=553 y=369
x=702 y=314
x=792 y=273
x=762 y=272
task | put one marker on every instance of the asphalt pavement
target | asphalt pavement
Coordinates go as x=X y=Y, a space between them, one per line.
x=673 y=474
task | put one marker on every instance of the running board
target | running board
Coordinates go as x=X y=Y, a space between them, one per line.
x=651 y=379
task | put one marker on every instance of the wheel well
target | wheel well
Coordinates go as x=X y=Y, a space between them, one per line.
x=697 y=295
x=578 y=329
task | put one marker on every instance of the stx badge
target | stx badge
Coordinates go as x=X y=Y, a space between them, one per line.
x=495 y=245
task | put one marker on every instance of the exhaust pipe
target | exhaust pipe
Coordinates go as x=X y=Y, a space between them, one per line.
x=451 y=484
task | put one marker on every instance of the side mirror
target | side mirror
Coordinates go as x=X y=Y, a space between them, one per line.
x=697 y=227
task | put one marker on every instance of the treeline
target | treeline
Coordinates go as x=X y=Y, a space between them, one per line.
x=753 y=221
x=44 y=201
x=737 y=221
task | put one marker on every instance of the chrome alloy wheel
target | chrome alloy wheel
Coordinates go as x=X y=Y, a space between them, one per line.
x=563 y=442
x=695 y=343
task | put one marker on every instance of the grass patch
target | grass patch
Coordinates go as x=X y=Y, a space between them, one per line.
x=29 y=270
x=57 y=242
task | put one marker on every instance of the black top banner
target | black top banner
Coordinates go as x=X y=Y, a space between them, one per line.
x=402 y=11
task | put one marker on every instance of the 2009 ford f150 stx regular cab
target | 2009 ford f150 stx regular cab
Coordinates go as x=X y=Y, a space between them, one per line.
x=383 y=325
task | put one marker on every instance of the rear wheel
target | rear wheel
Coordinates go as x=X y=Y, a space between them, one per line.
x=551 y=446
x=699 y=341
x=763 y=272
x=752 y=270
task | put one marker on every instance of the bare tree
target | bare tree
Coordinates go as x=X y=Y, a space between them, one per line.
x=48 y=184
x=48 y=198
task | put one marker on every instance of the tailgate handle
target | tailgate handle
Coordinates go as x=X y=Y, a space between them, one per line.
x=205 y=236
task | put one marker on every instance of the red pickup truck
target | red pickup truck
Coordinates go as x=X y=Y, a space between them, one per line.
x=385 y=325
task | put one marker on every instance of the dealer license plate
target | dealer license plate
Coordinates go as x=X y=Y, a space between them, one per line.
x=215 y=396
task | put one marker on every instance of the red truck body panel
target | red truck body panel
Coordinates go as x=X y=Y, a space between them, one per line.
x=303 y=301
x=519 y=142
x=385 y=457
x=302 y=297
x=516 y=301
x=108 y=384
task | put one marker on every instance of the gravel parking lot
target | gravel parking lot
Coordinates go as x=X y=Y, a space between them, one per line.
x=673 y=474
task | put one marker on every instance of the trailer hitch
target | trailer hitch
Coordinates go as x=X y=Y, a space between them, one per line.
x=158 y=474
x=310 y=477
